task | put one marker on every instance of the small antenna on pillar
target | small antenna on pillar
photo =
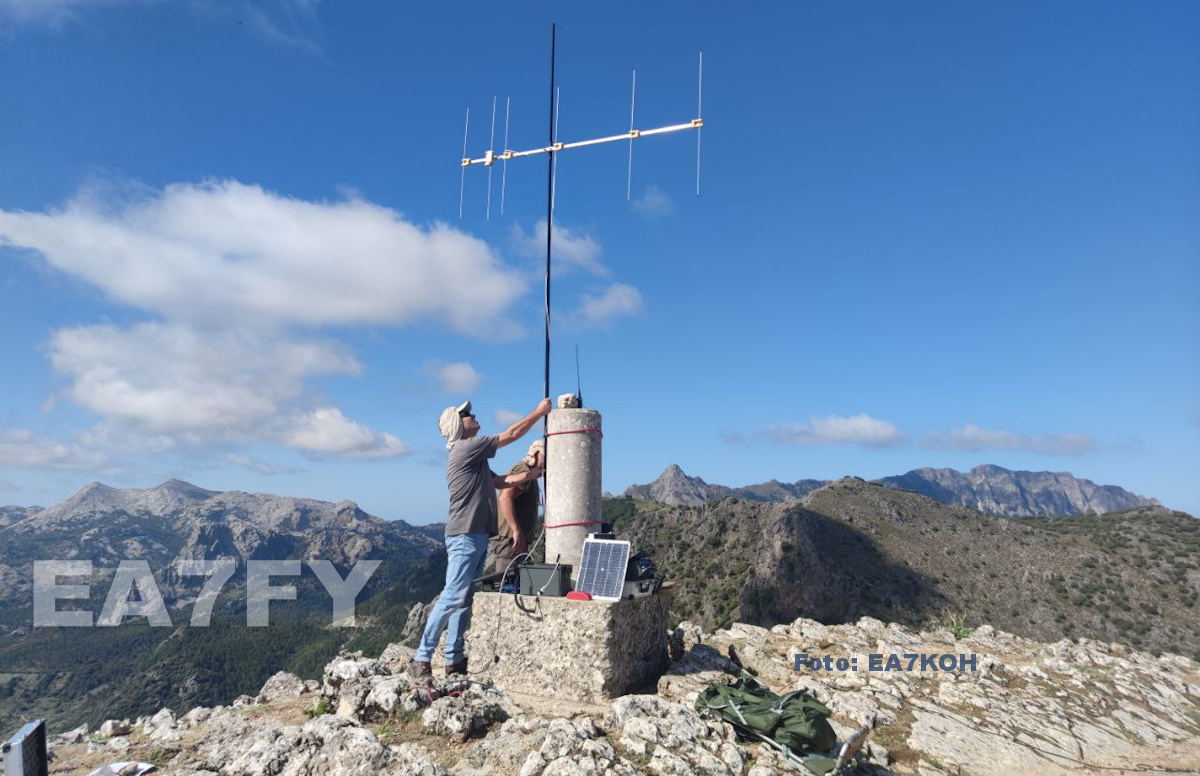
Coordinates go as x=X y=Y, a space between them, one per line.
x=578 y=382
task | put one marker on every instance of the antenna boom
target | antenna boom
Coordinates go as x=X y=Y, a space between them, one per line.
x=490 y=158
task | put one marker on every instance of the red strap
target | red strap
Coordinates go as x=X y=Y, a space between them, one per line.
x=578 y=431
x=564 y=525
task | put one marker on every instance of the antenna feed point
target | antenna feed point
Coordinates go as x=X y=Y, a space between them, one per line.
x=697 y=123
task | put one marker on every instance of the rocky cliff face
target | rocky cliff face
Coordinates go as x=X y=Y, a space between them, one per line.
x=999 y=491
x=1023 y=707
x=991 y=489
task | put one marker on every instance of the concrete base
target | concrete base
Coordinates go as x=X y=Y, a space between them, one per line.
x=581 y=651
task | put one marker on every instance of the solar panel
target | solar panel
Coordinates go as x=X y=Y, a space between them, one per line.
x=602 y=569
x=25 y=753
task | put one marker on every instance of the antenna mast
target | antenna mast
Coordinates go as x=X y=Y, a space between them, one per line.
x=549 y=220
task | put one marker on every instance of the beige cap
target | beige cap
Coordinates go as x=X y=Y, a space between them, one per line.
x=538 y=446
x=450 y=422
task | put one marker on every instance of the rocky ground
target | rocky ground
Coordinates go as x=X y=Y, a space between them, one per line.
x=1027 y=708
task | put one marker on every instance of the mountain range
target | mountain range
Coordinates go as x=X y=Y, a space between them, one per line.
x=59 y=672
x=180 y=521
x=991 y=489
x=840 y=551
x=853 y=548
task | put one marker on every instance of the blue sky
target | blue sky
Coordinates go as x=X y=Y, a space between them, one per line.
x=930 y=234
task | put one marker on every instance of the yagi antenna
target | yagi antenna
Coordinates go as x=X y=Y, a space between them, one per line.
x=552 y=149
x=490 y=157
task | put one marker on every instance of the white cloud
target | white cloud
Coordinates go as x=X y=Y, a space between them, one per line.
x=224 y=254
x=972 y=438
x=325 y=431
x=255 y=465
x=860 y=429
x=653 y=202
x=456 y=377
x=505 y=418
x=289 y=28
x=50 y=11
x=233 y=269
x=290 y=22
x=22 y=449
x=162 y=385
x=179 y=380
x=572 y=249
x=599 y=311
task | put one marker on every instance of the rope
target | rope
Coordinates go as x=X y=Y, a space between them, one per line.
x=565 y=525
x=578 y=431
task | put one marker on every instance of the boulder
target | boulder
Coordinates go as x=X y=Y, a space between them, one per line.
x=467 y=713
x=114 y=727
x=282 y=685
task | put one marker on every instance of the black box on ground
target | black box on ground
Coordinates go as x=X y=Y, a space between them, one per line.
x=546 y=579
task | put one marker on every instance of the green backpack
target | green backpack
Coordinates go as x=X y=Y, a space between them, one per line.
x=797 y=720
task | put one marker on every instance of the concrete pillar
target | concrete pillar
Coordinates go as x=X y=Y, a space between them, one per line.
x=572 y=483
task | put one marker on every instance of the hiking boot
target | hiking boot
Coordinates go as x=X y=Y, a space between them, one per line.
x=457 y=669
x=419 y=670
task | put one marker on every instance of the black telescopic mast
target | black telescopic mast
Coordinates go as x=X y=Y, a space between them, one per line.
x=549 y=229
x=549 y=213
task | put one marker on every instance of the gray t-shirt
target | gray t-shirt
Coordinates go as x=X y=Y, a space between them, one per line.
x=472 y=492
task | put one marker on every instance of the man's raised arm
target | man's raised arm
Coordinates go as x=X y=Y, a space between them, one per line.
x=522 y=426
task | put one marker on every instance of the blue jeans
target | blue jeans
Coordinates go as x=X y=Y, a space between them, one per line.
x=465 y=554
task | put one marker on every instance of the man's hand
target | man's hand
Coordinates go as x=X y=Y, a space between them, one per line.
x=518 y=429
x=518 y=543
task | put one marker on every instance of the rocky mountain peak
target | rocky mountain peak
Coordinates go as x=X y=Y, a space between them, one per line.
x=185 y=489
x=676 y=488
x=93 y=497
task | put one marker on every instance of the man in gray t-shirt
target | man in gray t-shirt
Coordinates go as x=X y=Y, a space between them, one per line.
x=471 y=521
x=469 y=479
